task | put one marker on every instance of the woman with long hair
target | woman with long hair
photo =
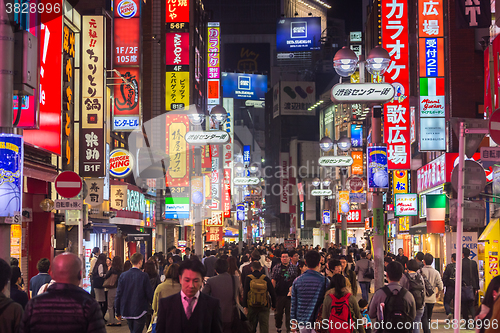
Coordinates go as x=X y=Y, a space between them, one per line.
x=98 y=274
x=154 y=279
x=233 y=270
x=115 y=269
x=127 y=265
x=340 y=295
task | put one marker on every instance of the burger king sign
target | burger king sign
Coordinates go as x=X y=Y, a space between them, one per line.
x=127 y=9
x=120 y=163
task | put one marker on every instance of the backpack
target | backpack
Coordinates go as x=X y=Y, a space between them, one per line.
x=394 y=313
x=429 y=291
x=340 y=315
x=257 y=295
x=416 y=289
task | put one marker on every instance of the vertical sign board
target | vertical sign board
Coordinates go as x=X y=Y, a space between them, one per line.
x=399 y=181
x=228 y=157
x=92 y=139
x=284 y=196
x=213 y=63
x=377 y=173
x=432 y=75
x=177 y=149
x=216 y=195
x=50 y=91
x=246 y=155
x=177 y=85
x=11 y=174
x=126 y=59
x=357 y=164
x=68 y=115
x=397 y=111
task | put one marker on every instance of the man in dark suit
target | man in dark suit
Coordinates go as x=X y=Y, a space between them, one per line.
x=247 y=270
x=225 y=290
x=470 y=277
x=189 y=311
x=209 y=263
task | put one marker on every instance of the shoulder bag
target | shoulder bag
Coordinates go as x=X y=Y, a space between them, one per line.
x=240 y=323
x=111 y=281
x=468 y=291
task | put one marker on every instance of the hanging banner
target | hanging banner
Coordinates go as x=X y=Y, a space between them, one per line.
x=357 y=164
x=95 y=191
x=397 y=111
x=177 y=149
x=126 y=95
x=356 y=136
x=177 y=11
x=213 y=63
x=177 y=48
x=284 y=181
x=11 y=174
x=176 y=90
x=118 y=197
x=126 y=42
x=343 y=202
x=226 y=193
x=92 y=153
x=430 y=18
x=68 y=141
x=377 y=174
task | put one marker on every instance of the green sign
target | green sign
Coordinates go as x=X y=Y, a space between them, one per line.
x=344 y=237
x=378 y=221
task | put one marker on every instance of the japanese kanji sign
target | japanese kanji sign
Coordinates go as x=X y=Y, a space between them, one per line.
x=127 y=102
x=176 y=90
x=399 y=181
x=357 y=163
x=118 y=197
x=473 y=13
x=207 y=137
x=92 y=72
x=177 y=149
x=68 y=98
x=177 y=50
x=397 y=111
x=95 y=191
x=430 y=18
x=362 y=92
x=92 y=147
x=177 y=11
x=213 y=63
x=335 y=161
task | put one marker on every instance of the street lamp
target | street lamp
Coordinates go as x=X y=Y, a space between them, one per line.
x=377 y=61
x=218 y=114
x=326 y=182
x=345 y=62
x=239 y=167
x=253 y=168
x=344 y=143
x=326 y=144
x=316 y=182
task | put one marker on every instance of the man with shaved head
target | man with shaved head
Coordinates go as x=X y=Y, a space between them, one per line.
x=65 y=307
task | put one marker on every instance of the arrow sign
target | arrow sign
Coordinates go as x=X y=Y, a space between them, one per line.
x=206 y=138
x=472 y=255
x=335 y=161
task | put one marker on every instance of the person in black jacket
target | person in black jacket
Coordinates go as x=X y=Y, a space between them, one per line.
x=470 y=277
x=16 y=292
x=65 y=307
x=116 y=269
x=449 y=283
x=189 y=311
x=401 y=258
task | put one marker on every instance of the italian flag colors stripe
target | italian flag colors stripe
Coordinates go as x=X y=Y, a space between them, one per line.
x=436 y=212
x=431 y=86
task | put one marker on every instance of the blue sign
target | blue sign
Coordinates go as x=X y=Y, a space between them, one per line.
x=240 y=212
x=357 y=197
x=356 y=136
x=431 y=57
x=302 y=222
x=11 y=174
x=298 y=34
x=246 y=155
x=326 y=217
x=377 y=173
x=244 y=86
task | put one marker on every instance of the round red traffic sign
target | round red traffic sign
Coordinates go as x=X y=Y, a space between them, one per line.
x=356 y=184
x=494 y=126
x=68 y=184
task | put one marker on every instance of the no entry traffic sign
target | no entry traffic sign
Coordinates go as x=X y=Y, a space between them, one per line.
x=494 y=126
x=68 y=184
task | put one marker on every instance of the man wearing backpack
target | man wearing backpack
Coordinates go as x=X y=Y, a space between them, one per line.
x=449 y=283
x=362 y=267
x=399 y=305
x=415 y=284
x=434 y=279
x=256 y=300
x=282 y=277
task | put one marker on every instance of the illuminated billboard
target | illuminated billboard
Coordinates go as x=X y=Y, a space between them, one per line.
x=298 y=34
x=244 y=86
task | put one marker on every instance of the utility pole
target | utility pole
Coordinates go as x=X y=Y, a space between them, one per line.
x=378 y=243
x=6 y=95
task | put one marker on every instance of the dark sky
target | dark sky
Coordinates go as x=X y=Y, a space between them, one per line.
x=348 y=10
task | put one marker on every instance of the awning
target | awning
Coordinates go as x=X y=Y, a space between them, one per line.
x=419 y=229
x=491 y=232
x=104 y=228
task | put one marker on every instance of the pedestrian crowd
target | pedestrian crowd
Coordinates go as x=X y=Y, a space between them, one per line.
x=309 y=289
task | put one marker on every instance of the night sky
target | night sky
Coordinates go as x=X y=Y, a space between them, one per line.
x=348 y=10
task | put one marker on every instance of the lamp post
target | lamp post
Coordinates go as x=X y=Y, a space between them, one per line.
x=345 y=63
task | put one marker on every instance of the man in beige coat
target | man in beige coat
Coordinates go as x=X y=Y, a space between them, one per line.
x=434 y=279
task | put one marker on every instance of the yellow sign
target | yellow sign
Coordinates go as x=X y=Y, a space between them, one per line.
x=399 y=181
x=404 y=223
x=343 y=199
x=176 y=90
x=178 y=152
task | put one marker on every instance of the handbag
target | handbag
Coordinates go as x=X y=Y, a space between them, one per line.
x=240 y=323
x=468 y=291
x=110 y=282
x=369 y=273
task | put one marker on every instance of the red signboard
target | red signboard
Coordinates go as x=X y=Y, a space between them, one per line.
x=177 y=11
x=127 y=9
x=397 y=111
x=177 y=48
x=127 y=97
x=48 y=136
x=430 y=18
x=126 y=42
x=354 y=216
x=226 y=193
x=68 y=184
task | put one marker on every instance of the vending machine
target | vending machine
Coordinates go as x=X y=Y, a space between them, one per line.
x=488 y=254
